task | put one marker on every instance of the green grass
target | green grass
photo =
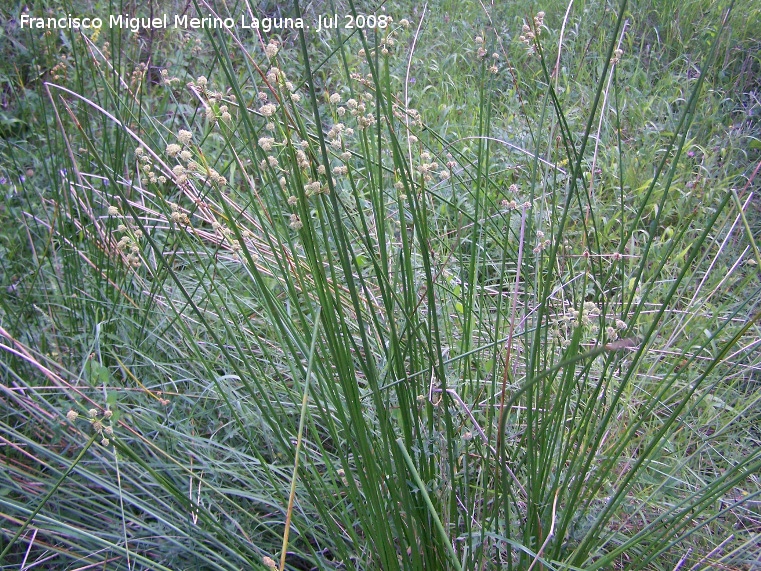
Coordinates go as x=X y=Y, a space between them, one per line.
x=502 y=317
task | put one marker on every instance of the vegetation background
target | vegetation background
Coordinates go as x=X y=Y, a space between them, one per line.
x=467 y=286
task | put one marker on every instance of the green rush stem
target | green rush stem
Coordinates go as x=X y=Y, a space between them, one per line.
x=748 y=230
x=429 y=503
x=302 y=418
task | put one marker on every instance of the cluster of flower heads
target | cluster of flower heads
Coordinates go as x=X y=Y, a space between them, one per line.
x=389 y=41
x=192 y=43
x=542 y=243
x=277 y=81
x=613 y=332
x=169 y=81
x=513 y=204
x=481 y=54
x=427 y=167
x=137 y=76
x=146 y=166
x=587 y=317
x=182 y=153
x=271 y=49
x=337 y=133
x=129 y=243
x=494 y=68
x=227 y=236
x=408 y=114
x=178 y=217
x=481 y=50
x=105 y=431
x=60 y=70
x=278 y=92
x=270 y=145
x=268 y=109
x=295 y=222
x=356 y=108
x=529 y=36
x=337 y=137
x=214 y=108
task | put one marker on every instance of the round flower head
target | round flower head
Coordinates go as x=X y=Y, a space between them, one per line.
x=268 y=110
x=184 y=137
x=271 y=49
x=274 y=74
